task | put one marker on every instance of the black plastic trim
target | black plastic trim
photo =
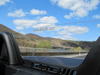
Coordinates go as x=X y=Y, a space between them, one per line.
x=12 y=48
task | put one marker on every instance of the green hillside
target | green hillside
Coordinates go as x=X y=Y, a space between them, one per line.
x=32 y=40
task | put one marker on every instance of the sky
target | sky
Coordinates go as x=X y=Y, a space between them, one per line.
x=64 y=19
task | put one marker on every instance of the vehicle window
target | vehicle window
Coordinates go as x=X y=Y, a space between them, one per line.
x=57 y=28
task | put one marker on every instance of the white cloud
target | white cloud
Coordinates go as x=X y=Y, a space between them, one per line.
x=49 y=23
x=79 y=8
x=23 y=24
x=38 y=12
x=69 y=16
x=19 y=28
x=49 y=19
x=96 y=16
x=98 y=25
x=63 y=34
x=65 y=37
x=3 y=2
x=66 y=32
x=45 y=22
x=76 y=29
x=21 y=13
x=17 y=13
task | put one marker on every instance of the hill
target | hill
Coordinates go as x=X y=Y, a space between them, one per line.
x=34 y=36
x=6 y=29
x=33 y=40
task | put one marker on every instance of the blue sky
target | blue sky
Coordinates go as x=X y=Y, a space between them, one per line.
x=65 y=19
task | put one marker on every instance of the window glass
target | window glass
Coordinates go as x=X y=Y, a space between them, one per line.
x=57 y=28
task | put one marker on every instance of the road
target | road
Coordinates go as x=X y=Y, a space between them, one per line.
x=78 y=56
x=81 y=56
x=66 y=60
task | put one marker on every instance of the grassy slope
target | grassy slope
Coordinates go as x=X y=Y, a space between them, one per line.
x=31 y=40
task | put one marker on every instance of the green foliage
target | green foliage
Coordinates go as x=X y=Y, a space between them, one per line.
x=77 y=49
x=43 y=44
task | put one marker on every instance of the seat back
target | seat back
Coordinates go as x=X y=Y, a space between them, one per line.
x=91 y=64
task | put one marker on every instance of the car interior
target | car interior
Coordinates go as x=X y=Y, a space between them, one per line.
x=10 y=55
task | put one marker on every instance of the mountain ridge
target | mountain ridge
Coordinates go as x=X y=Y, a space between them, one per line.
x=33 y=40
